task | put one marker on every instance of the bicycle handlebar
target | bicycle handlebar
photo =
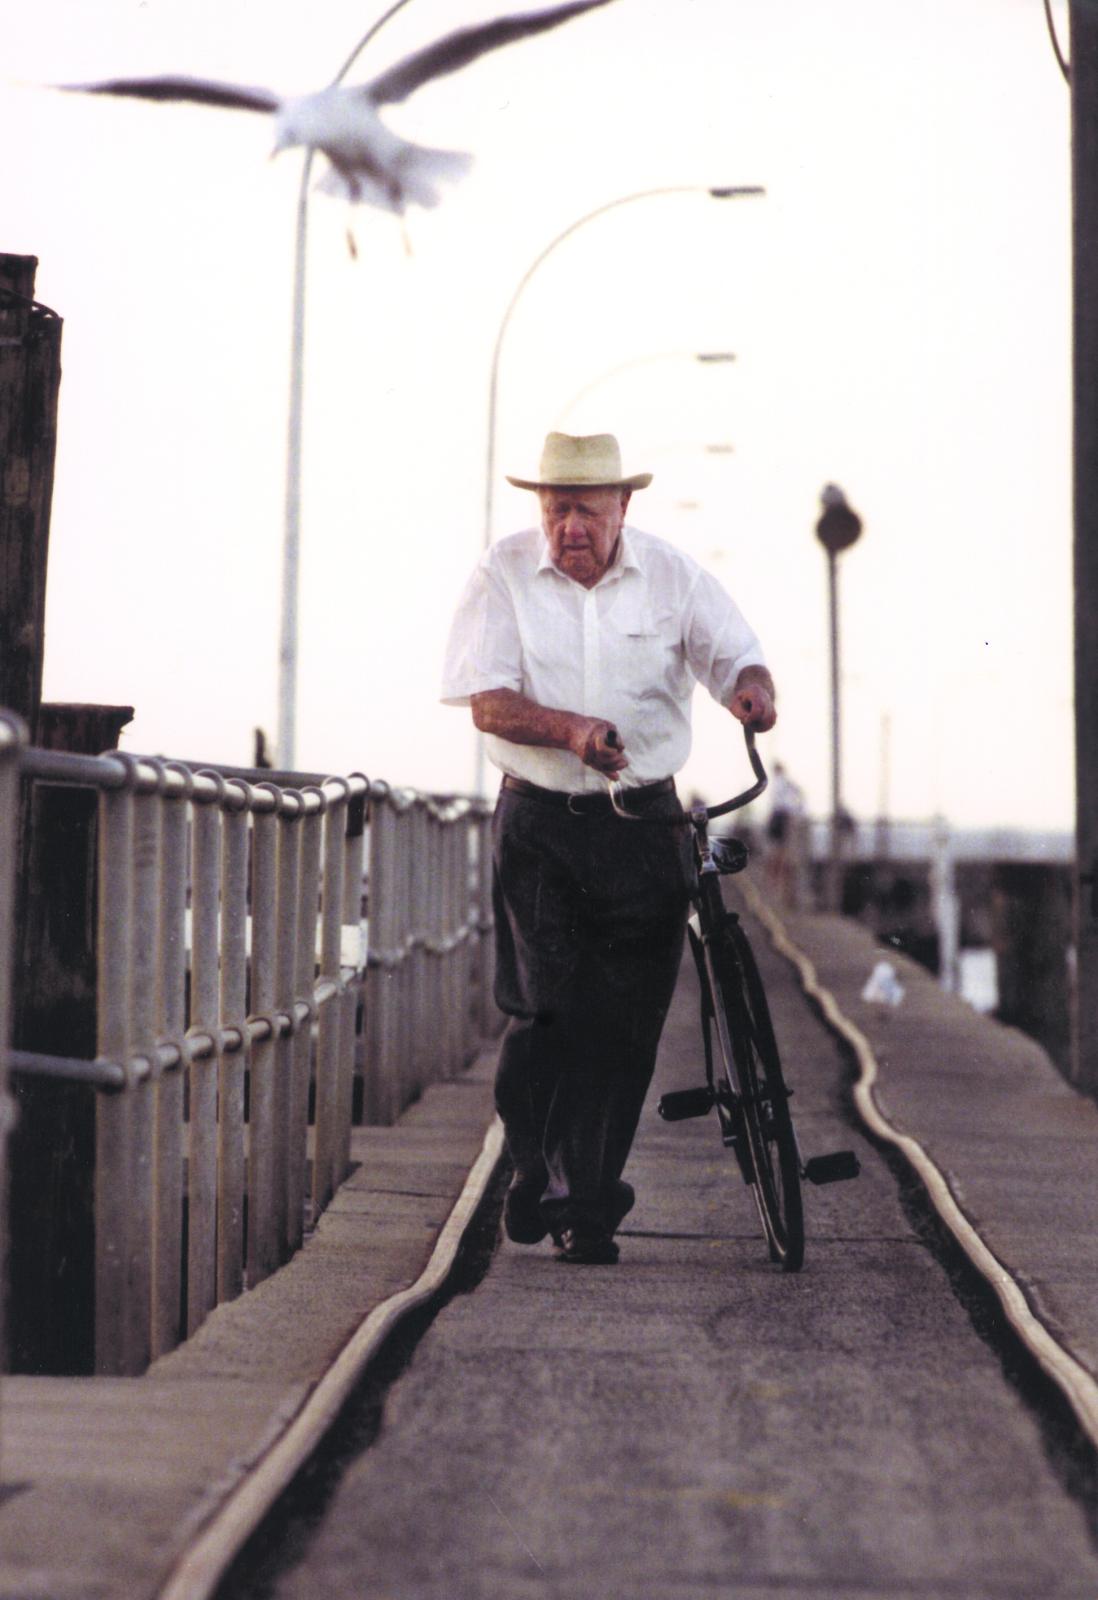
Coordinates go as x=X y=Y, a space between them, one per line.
x=618 y=793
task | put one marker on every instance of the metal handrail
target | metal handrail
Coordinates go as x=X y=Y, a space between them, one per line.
x=225 y=899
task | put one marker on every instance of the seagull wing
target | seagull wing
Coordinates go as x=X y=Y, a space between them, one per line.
x=457 y=50
x=201 y=90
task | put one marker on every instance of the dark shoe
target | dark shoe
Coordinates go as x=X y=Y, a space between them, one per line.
x=522 y=1219
x=623 y=1202
x=587 y=1247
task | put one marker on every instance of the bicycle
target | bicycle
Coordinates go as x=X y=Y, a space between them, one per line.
x=750 y=1092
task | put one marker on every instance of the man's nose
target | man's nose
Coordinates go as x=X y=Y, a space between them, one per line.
x=573 y=525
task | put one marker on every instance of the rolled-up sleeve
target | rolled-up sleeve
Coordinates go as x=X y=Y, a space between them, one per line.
x=718 y=639
x=484 y=649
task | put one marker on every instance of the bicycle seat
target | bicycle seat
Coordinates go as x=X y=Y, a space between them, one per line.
x=729 y=855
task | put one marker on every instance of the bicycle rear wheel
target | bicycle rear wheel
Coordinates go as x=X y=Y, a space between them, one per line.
x=754 y=1073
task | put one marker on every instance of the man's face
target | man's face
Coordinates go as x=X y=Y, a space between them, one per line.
x=583 y=527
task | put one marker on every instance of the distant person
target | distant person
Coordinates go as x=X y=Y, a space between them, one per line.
x=784 y=836
x=578 y=645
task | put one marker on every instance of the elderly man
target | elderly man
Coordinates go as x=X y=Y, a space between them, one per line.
x=578 y=646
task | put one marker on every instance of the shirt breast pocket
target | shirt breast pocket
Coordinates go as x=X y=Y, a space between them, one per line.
x=641 y=651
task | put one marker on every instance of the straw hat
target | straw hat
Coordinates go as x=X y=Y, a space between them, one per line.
x=591 y=461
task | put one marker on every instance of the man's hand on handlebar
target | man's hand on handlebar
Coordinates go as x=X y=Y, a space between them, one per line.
x=599 y=744
x=753 y=700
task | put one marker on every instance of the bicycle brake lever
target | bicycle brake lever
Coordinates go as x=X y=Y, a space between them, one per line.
x=617 y=793
x=617 y=800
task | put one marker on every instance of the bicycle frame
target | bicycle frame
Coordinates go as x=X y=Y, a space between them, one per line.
x=710 y=914
x=707 y=896
x=754 y=1116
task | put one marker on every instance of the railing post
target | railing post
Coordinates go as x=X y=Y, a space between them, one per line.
x=353 y=861
x=263 y=1251
x=379 y=1089
x=142 y=1197
x=454 y=944
x=423 y=994
x=233 y=1068
x=202 y=1153
x=12 y=735
x=167 y=934
x=488 y=1016
x=404 y=925
x=289 y=860
x=114 y=1140
x=308 y=909
x=328 y=1028
x=470 y=1011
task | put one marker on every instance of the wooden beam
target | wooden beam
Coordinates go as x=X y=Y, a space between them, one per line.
x=30 y=377
x=1084 y=145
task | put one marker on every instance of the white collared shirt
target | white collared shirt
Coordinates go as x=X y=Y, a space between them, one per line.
x=629 y=650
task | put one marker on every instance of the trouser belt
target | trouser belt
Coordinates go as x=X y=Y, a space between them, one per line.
x=578 y=805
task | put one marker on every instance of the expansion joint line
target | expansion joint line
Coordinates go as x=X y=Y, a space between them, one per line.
x=1077 y=1384
x=243 y=1504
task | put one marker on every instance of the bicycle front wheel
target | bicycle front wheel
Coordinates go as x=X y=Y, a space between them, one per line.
x=755 y=1078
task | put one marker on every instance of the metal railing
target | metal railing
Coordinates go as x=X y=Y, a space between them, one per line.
x=243 y=977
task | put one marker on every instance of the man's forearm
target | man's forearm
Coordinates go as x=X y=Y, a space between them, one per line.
x=510 y=715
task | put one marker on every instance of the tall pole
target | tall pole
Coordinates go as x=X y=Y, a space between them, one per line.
x=837 y=529
x=291 y=536
x=834 y=888
x=1084 y=148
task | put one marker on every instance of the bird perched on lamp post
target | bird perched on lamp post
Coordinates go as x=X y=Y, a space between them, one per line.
x=369 y=162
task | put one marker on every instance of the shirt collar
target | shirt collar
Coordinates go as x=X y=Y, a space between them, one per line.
x=627 y=559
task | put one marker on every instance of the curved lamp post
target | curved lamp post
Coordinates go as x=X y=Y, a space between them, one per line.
x=837 y=529
x=727 y=192
x=704 y=358
x=291 y=539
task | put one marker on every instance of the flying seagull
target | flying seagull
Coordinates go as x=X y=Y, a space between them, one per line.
x=368 y=162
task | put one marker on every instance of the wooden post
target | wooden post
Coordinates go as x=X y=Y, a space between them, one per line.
x=51 y=1313
x=30 y=376
x=1030 y=912
x=1084 y=129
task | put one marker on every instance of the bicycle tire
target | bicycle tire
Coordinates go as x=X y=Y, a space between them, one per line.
x=754 y=1072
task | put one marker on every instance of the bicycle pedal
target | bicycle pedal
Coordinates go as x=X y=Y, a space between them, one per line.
x=835 y=1168
x=682 y=1103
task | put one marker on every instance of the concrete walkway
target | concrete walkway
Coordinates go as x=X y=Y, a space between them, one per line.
x=126 y=1488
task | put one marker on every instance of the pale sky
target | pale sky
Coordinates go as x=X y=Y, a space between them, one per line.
x=899 y=305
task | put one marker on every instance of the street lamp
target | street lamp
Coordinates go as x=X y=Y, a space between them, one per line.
x=724 y=192
x=291 y=537
x=703 y=357
x=837 y=529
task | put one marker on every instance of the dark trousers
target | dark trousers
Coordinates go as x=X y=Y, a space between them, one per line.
x=590 y=913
